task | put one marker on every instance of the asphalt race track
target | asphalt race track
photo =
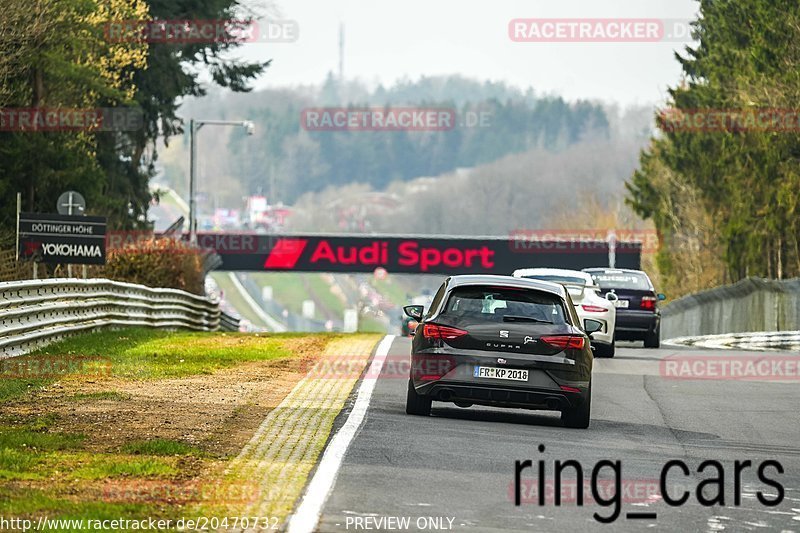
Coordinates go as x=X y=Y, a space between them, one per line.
x=458 y=466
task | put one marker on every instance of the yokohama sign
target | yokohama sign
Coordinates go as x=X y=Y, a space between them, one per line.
x=66 y=239
x=419 y=255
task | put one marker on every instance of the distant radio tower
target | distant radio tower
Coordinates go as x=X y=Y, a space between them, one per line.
x=341 y=51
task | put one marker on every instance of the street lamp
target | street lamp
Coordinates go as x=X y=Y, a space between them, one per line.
x=194 y=127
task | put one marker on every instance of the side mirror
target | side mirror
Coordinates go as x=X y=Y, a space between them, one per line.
x=414 y=311
x=661 y=296
x=592 y=326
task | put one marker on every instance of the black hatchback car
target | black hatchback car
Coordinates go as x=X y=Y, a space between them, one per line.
x=502 y=341
x=638 y=315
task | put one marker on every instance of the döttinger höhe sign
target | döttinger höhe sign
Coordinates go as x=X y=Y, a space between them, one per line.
x=49 y=238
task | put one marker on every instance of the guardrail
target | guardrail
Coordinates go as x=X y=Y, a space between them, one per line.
x=36 y=312
x=751 y=305
x=228 y=322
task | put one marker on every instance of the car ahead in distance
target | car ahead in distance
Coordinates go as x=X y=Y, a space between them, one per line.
x=638 y=315
x=588 y=303
x=502 y=341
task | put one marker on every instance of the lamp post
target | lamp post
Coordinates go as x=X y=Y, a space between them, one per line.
x=194 y=127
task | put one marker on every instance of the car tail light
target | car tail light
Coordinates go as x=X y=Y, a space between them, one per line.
x=565 y=388
x=648 y=302
x=435 y=331
x=565 y=342
x=594 y=309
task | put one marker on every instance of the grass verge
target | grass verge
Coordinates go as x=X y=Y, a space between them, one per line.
x=139 y=423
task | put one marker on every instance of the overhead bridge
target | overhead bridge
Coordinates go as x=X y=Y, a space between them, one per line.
x=412 y=254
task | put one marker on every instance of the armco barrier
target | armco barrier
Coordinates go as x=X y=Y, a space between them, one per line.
x=228 y=322
x=753 y=304
x=36 y=312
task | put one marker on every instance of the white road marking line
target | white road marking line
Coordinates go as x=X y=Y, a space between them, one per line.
x=310 y=508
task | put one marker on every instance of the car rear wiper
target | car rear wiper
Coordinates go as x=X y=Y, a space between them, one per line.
x=519 y=318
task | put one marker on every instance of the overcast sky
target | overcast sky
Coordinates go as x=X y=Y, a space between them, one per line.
x=391 y=39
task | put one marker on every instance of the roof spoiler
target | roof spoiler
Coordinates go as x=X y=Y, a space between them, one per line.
x=581 y=286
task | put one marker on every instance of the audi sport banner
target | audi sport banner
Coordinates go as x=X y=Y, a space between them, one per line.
x=65 y=239
x=418 y=255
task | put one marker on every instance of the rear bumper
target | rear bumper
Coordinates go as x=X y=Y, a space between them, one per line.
x=630 y=321
x=599 y=342
x=458 y=381
x=448 y=374
x=502 y=395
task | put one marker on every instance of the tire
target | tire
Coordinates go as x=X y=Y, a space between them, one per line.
x=579 y=417
x=416 y=404
x=605 y=350
x=653 y=340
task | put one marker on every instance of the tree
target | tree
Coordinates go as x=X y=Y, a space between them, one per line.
x=54 y=54
x=744 y=180
x=173 y=72
x=55 y=57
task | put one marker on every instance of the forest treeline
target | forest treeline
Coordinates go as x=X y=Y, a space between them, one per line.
x=286 y=159
x=721 y=178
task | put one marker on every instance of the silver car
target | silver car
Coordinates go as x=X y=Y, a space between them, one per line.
x=589 y=304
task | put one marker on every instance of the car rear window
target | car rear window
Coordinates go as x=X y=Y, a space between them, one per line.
x=495 y=303
x=621 y=280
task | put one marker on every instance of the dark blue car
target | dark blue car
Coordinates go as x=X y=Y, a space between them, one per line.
x=638 y=315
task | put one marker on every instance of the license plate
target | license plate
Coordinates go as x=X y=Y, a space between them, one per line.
x=621 y=303
x=500 y=373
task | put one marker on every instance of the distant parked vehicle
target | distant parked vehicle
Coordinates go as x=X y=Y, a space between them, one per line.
x=227 y=219
x=256 y=207
x=262 y=217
